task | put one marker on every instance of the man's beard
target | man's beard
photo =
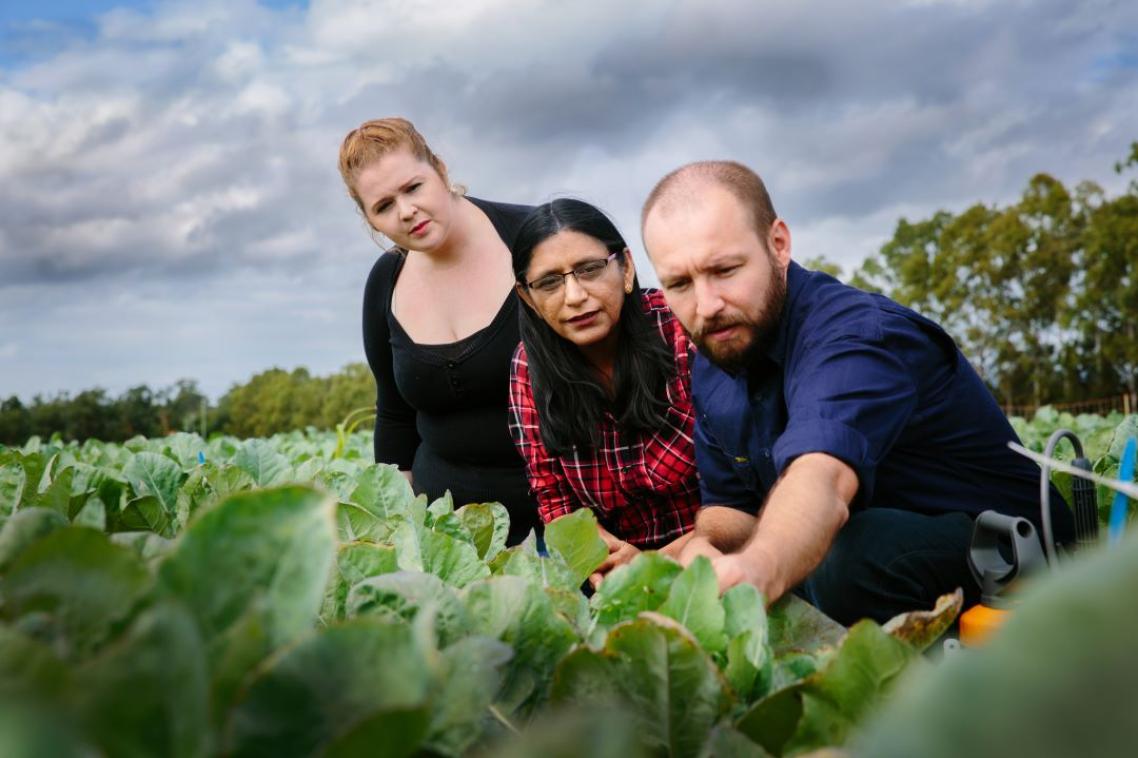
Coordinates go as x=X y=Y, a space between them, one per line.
x=739 y=353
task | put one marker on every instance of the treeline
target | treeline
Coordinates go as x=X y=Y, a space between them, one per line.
x=1041 y=295
x=271 y=401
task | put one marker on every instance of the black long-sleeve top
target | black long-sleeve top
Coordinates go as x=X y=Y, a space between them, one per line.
x=442 y=409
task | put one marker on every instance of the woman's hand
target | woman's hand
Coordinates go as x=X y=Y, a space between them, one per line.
x=620 y=552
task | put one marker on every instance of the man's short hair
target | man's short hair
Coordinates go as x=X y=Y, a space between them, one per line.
x=682 y=187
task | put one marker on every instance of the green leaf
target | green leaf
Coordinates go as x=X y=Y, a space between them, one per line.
x=92 y=514
x=405 y=539
x=790 y=667
x=727 y=742
x=78 y=584
x=234 y=658
x=772 y=721
x=184 y=448
x=56 y=496
x=383 y=491
x=354 y=523
x=642 y=584
x=1122 y=433
x=441 y=506
x=29 y=669
x=23 y=529
x=693 y=600
x=837 y=699
x=452 y=526
x=470 y=672
x=390 y=733
x=749 y=660
x=519 y=613
x=159 y=477
x=30 y=729
x=357 y=561
x=206 y=485
x=478 y=520
x=488 y=525
x=794 y=624
x=577 y=539
x=266 y=466
x=670 y=685
x=823 y=709
x=146 y=514
x=272 y=544
x=744 y=610
x=320 y=691
x=453 y=561
x=544 y=571
x=13 y=480
x=1057 y=679
x=749 y=666
x=148 y=693
x=403 y=595
x=573 y=607
x=148 y=546
x=599 y=730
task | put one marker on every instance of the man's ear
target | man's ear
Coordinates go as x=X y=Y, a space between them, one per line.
x=778 y=242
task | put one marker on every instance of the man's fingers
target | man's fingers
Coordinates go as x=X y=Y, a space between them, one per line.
x=698 y=546
x=595 y=579
x=728 y=571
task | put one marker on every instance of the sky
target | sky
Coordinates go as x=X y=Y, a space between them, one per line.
x=170 y=206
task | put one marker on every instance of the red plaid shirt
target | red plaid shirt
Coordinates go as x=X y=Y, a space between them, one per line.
x=643 y=488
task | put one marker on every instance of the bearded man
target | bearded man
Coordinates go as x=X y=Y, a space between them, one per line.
x=844 y=444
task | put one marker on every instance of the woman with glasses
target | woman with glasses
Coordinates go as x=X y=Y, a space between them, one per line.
x=440 y=322
x=600 y=400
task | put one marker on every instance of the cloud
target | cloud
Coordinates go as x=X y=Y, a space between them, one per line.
x=193 y=144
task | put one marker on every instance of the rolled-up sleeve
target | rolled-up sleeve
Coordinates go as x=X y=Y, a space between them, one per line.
x=849 y=397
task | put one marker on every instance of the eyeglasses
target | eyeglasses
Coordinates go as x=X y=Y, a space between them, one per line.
x=589 y=271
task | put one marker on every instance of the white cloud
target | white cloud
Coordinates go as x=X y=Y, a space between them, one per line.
x=187 y=154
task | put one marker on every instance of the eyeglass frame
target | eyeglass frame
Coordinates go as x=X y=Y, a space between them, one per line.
x=562 y=275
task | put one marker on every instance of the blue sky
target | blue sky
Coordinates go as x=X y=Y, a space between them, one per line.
x=170 y=206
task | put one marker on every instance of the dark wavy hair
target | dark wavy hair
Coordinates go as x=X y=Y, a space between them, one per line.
x=570 y=398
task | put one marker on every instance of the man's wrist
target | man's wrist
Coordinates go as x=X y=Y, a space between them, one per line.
x=763 y=570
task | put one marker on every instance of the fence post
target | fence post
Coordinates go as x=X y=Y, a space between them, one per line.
x=1126 y=403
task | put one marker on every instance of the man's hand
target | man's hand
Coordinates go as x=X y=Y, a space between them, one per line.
x=797 y=525
x=737 y=568
x=620 y=552
x=696 y=546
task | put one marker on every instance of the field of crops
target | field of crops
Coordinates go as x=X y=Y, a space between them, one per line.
x=286 y=597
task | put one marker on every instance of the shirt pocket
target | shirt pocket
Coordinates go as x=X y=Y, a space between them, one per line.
x=744 y=469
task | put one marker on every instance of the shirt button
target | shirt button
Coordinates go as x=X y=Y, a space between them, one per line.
x=451 y=364
x=766 y=453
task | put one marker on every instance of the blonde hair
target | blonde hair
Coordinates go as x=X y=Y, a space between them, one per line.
x=374 y=139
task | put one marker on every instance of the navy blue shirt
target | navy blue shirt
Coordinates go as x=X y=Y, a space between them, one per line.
x=874 y=384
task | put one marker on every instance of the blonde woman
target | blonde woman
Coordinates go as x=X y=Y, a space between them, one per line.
x=440 y=322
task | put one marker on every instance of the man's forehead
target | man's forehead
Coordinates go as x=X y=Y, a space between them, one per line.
x=697 y=198
x=713 y=212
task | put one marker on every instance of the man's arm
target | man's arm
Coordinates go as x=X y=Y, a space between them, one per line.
x=796 y=526
x=718 y=529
